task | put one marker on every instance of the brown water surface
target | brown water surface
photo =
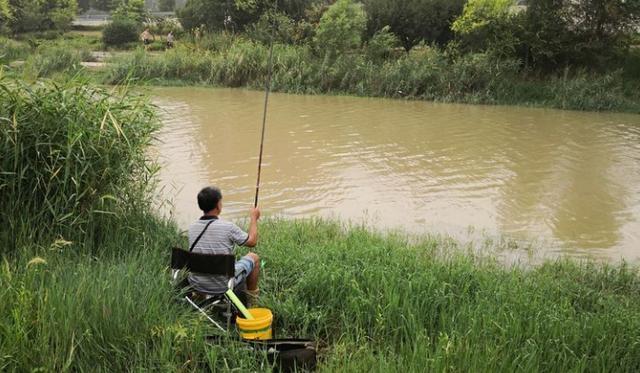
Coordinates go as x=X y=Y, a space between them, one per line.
x=569 y=181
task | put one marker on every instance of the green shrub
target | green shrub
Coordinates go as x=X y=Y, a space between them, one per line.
x=162 y=26
x=382 y=44
x=414 y=21
x=341 y=27
x=120 y=31
x=36 y=15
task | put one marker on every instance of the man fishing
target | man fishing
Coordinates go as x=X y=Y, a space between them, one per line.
x=221 y=237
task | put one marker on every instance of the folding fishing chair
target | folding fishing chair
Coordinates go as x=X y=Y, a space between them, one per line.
x=207 y=264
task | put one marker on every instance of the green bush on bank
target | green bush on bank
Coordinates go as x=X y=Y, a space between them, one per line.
x=120 y=31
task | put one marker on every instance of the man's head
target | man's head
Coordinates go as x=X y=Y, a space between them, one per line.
x=210 y=199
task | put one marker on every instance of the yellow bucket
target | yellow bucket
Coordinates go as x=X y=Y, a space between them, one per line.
x=259 y=327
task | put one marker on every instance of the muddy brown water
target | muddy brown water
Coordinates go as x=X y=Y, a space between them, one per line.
x=568 y=182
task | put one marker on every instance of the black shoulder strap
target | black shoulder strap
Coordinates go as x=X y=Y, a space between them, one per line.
x=200 y=235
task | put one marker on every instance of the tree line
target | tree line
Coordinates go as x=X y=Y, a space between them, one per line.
x=543 y=34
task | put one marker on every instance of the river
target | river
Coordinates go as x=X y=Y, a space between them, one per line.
x=563 y=181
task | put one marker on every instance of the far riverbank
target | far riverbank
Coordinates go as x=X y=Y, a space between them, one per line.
x=424 y=73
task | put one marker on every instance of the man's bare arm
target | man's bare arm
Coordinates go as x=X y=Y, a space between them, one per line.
x=252 y=241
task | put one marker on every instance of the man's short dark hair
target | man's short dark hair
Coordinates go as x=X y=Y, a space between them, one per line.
x=208 y=198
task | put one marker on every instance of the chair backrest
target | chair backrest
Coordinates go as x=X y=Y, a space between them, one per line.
x=210 y=264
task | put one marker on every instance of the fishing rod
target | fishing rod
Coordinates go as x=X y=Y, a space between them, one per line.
x=266 y=102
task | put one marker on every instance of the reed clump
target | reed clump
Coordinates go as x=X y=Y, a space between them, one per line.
x=11 y=50
x=49 y=60
x=73 y=159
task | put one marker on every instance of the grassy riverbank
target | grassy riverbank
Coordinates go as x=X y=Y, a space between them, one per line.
x=423 y=73
x=85 y=283
x=371 y=301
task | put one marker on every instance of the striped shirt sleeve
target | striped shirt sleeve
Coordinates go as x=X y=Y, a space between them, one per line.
x=238 y=236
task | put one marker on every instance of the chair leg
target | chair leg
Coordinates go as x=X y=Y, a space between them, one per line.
x=204 y=313
x=228 y=315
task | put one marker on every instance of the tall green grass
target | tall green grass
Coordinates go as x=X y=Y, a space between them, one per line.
x=381 y=303
x=372 y=302
x=11 y=50
x=48 y=60
x=73 y=159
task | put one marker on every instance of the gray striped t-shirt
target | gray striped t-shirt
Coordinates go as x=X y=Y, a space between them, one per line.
x=220 y=238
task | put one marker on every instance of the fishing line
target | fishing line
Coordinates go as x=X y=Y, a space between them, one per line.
x=266 y=101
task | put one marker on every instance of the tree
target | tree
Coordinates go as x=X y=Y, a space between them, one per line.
x=5 y=15
x=295 y=9
x=414 y=21
x=489 y=25
x=341 y=27
x=548 y=34
x=277 y=25
x=131 y=9
x=602 y=27
x=41 y=15
x=381 y=45
x=212 y=14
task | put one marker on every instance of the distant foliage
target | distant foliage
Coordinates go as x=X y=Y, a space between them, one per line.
x=414 y=21
x=490 y=25
x=166 y=5
x=277 y=26
x=103 y=4
x=162 y=26
x=38 y=15
x=5 y=16
x=480 y=14
x=131 y=9
x=382 y=44
x=341 y=27
x=121 y=31
x=550 y=34
x=212 y=14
